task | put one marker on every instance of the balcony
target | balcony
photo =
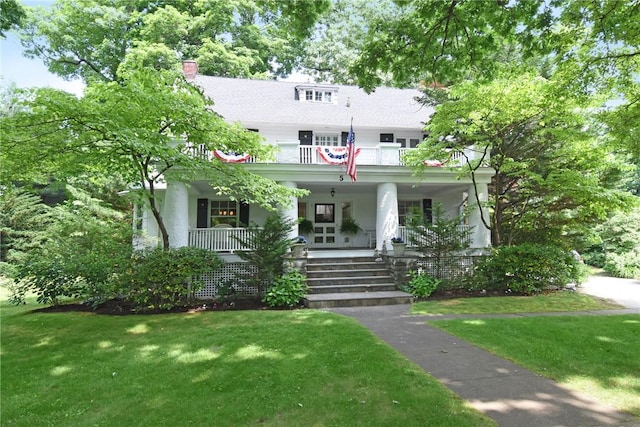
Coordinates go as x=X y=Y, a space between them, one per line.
x=291 y=152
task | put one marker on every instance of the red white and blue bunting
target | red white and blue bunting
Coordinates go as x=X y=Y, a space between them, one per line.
x=433 y=163
x=335 y=155
x=232 y=157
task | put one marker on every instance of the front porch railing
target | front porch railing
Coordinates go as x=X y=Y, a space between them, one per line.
x=218 y=239
x=406 y=233
x=224 y=239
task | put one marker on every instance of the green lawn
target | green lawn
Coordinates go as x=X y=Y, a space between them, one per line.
x=552 y=302
x=597 y=355
x=306 y=368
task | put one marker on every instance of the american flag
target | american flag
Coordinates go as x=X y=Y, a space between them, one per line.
x=351 y=155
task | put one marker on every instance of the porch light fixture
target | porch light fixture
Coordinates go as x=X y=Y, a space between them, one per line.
x=333 y=192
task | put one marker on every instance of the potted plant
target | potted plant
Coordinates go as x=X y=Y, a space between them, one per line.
x=349 y=227
x=399 y=246
x=305 y=226
x=297 y=246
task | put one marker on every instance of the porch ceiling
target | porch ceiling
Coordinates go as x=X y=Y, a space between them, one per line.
x=346 y=187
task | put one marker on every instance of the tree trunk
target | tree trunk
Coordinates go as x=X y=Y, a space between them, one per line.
x=496 y=229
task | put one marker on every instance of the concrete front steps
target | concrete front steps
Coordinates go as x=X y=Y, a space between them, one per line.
x=350 y=282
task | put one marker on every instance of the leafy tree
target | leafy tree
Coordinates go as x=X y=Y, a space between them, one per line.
x=143 y=128
x=98 y=40
x=11 y=14
x=338 y=38
x=593 y=45
x=548 y=165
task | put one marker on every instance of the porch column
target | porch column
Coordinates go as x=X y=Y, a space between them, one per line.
x=290 y=211
x=176 y=214
x=480 y=236
x=386 y=214
x=149 y=236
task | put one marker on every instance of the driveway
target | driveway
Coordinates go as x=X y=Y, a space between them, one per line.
x=625 y=292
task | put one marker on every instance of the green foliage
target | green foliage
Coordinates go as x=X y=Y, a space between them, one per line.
x=338 y=39
x=161 y=279
x=551 y=170
x=305 y=226
x=84 y=252
x=527 y=269
x=226 y=291
x=267 y=247
x=421 y=284
x=11 y=14
x=614 y=238
x=136 y=129
x=625 y=264
x=349 y=226
x=23 y=223
x=287 y=290
x=97 y=40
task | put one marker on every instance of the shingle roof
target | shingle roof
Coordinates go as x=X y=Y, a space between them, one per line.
x=270 y=101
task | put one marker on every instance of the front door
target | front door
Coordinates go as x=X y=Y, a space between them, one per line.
x=325 y=227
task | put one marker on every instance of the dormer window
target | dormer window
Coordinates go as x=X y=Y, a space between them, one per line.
x=314 y=93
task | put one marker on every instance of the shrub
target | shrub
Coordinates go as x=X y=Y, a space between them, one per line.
x=527 y=269
x=161 y=279
x=84 y=252
x=268 y=246
x=439 y=239
x=421 y=284
x=287 y=290
x=613 y=240
x=625 y=265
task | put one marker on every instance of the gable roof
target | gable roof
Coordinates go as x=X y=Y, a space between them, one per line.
x=271 y=101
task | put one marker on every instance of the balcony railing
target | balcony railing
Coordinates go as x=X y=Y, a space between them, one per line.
x=293 y=153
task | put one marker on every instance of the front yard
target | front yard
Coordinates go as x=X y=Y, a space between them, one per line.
x=597 y=355
x=300 y=367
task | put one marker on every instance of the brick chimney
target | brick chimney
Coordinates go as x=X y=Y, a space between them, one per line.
x=190 y=69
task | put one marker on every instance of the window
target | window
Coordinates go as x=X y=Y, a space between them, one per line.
x=327 y=140
x=386 y=137
x=224 y=212
x=325 y=213
x=316 y=93
x=413 y=142
x=407 y=208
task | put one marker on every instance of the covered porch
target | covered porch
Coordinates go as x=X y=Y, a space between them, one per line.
x=379 y=203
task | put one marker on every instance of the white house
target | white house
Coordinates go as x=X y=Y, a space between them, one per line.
x=309 y=123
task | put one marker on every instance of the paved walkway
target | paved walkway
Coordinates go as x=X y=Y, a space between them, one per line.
x=504 y=391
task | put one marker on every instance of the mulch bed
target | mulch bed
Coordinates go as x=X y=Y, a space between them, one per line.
x=122 y=308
